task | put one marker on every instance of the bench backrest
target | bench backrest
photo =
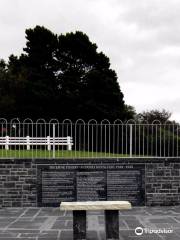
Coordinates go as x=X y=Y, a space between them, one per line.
x=42 y=140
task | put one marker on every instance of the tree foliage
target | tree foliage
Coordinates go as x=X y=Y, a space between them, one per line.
x=60 y=77
x=151 y=116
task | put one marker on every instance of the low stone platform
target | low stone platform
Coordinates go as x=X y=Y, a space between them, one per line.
x=53 y=224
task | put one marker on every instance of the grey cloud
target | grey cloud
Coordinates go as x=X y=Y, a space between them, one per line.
x=141 y=38
x=160 y=17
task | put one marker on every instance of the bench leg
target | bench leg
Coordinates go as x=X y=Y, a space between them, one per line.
x=79 y=225
x=112 y=224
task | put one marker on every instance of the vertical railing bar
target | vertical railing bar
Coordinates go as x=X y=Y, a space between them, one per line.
x=160 y=130
x=177 y=143
x=168 y=140
x=147 y=142
x=75 y=137
x=101 y=139
x=67 y=134
x=152 y=137
x=97 y=130
x=84 y=135
x=57 y=146
x=156 y=140
x=173 y=141
x=88 y=140
x=64 y=134
x=71 y=126
x=109 y=140
x=53 y=139
x=32 y=135
x=24 y=135
x=36 y=140
x=118 y=140
x=135 y=140
x=79 y=139
x=105 y=140
x=113 y=150
x=143 y=140
x=44 y=147
x=58 y=137
x=131 y=140
x=126 y=140
x=139 y=140
x=122 y=136
x=8 y=133
x=49 y=134
x=92 y=140
x=164 y=140
x=64 y=126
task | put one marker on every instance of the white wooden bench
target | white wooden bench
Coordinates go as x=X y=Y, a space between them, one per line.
x=111 y=209
x=36 y=141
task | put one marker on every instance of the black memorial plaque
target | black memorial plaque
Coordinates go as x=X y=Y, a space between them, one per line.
x=90 y=182
x=57 y=186
x=124 y=185
x=91 y=185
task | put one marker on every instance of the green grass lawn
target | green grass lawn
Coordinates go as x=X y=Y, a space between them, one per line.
x=58 y=154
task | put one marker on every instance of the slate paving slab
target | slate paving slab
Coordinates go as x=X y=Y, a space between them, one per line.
x=51 y=224
x=163 y=220
x=61 y=225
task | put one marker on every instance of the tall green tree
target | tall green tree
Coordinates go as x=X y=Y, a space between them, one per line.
x=38 y=64
x=63 y=77
x=88 y=86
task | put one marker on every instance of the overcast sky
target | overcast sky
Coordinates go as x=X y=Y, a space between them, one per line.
x=141 y=38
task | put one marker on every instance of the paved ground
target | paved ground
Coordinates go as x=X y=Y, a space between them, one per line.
x=51 y=224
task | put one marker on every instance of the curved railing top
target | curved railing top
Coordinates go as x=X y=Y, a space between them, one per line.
x=82 y=121
x=54 y=120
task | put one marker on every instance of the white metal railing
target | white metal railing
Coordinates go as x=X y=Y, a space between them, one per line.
x=92 y=139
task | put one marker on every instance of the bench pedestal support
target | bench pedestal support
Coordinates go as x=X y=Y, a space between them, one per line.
x=112 y=224
x=79 y=225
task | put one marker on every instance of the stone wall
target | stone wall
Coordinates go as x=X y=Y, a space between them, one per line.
x=163 y=182
x=19 y=186
x=18 y=183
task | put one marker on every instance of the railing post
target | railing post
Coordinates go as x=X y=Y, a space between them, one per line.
x=69 y=148
x=28 y=142
x=53 y=140
x=7 y=143
x=48 y=143
x=130 y=140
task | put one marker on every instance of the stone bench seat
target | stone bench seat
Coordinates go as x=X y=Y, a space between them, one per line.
x=111 y=209
x=95 y=205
